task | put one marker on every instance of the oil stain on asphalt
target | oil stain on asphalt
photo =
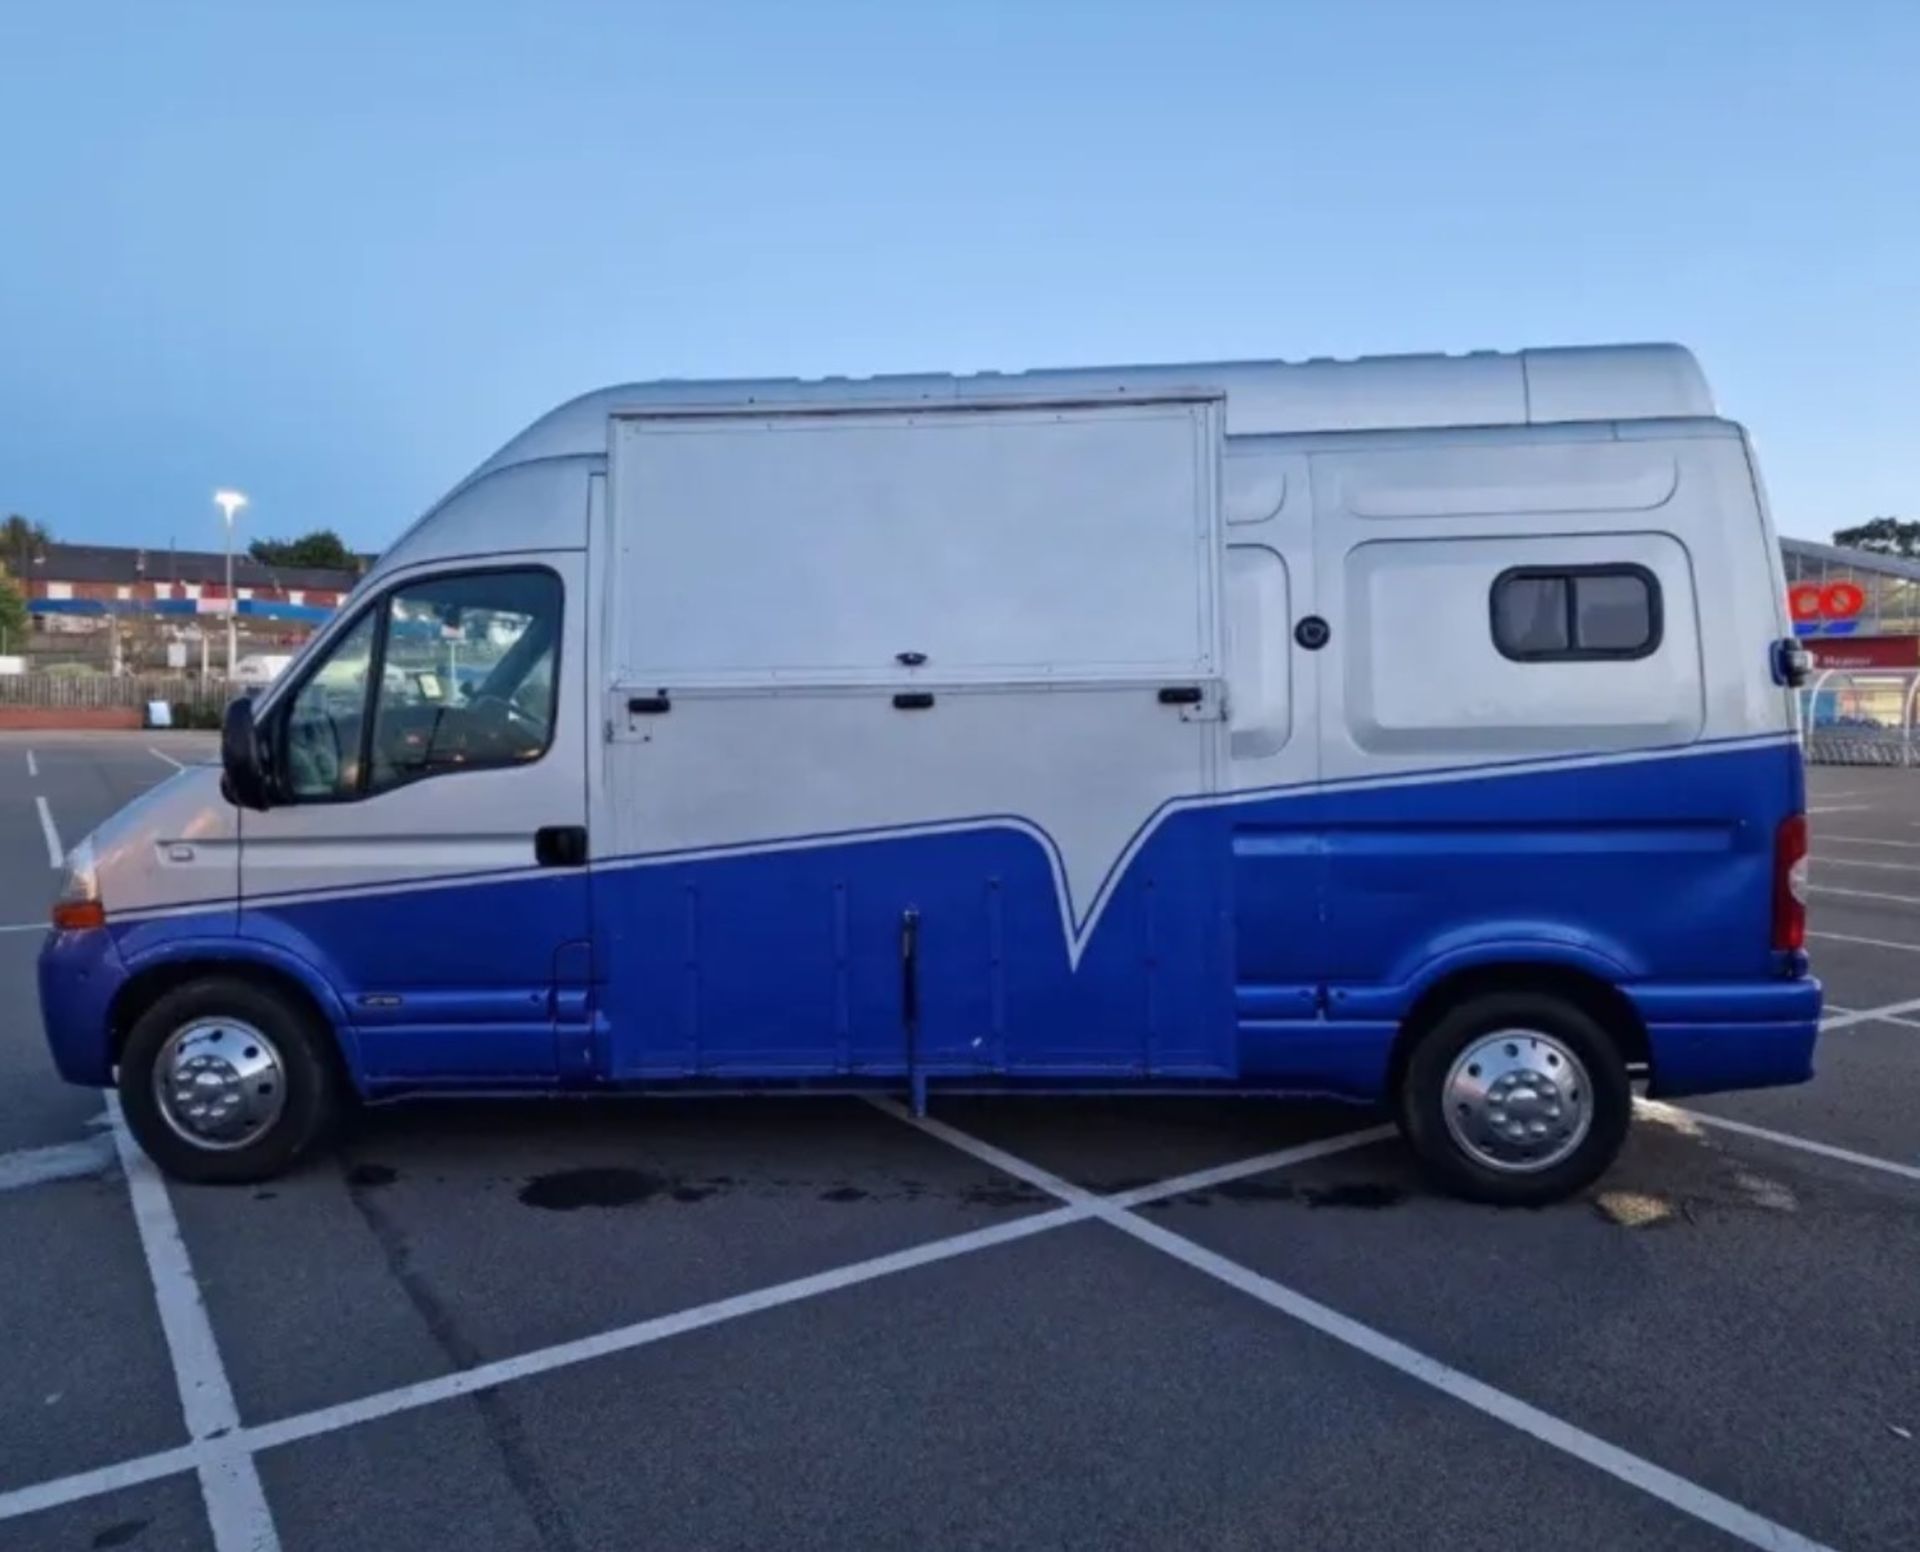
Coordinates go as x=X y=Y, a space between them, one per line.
x=1367 y=1195
x=568 y=1190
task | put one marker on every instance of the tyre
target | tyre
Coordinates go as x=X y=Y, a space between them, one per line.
x=224 y=1083
x=1515 y=1098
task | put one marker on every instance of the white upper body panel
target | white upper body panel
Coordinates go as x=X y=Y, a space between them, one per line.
x=1383 y=495
x=1016 y=543
x=486 y=513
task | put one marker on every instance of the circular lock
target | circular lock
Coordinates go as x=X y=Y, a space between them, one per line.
x=1312 y=633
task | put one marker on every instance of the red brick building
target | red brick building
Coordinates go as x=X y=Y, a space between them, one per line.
x=123 y=605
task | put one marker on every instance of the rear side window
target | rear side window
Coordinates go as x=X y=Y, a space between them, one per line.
x=1573 y=613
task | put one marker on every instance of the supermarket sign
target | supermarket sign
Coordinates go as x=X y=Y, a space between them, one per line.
x=1865 y=652
x=1826 y=608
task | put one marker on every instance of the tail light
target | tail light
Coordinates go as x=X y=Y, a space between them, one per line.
x=1790 y=883
x=79 y=915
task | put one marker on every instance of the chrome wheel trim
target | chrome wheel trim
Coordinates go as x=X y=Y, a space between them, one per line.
x=219 y=1083
x=1518 y=1101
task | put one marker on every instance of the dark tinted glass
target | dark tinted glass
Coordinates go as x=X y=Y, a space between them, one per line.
x=1530 y=615
x=1613 y=612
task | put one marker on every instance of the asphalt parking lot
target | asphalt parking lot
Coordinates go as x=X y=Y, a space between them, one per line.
x=1042 y=1323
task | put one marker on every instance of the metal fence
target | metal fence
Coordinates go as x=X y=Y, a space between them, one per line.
x=1834 y=745
x=92 y=691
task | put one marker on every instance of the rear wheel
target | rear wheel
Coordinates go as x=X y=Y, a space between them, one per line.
x=222 y=1082
x=1517 y=1098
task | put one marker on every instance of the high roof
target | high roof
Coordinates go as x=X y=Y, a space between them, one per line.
x=1374 y=393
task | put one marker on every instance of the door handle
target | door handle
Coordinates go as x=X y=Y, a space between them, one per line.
x=560 y=846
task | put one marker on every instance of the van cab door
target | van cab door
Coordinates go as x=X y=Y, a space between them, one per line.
x=426 y=847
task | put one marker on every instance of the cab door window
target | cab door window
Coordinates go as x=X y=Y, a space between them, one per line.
x=467 y=677
x=325 y=724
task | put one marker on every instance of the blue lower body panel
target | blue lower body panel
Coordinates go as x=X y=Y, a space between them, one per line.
x=1746 y=1035
x=1707 y=1058
x=1704 y=1038
x=1274 y=941
x=80 y=975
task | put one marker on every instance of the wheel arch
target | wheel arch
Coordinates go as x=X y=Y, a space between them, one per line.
x=1594 y=994
x=272 y=971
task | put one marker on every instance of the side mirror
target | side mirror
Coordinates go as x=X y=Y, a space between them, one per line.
x=242 y=759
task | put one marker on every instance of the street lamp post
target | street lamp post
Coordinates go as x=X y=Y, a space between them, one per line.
x=229 y=502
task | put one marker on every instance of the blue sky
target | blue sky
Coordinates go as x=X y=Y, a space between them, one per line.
x=337 y=252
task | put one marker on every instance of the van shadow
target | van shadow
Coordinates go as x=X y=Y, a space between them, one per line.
x=607 y=1154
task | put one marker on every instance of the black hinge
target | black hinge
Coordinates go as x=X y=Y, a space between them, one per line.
x=648 y=705
x=560 y=846
x=1792 y=663
x=1180 y=695
x=913 y=700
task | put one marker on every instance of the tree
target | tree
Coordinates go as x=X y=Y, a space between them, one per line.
x=19 y=541
x=13 y=617
x=1883 y=536
x=322 y=547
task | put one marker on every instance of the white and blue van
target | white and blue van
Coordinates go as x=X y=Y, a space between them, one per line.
x=1418 y=731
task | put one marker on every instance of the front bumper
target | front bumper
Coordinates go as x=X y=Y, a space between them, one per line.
x=80 y=975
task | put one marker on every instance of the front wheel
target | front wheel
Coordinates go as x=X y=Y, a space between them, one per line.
x=223 y=1083
x=1515 y=1098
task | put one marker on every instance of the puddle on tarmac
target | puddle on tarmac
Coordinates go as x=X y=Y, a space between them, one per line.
x=1004 y=1196
x=1256 y=1191
x=362 y=1176
x=568 y=1190
x=1367 y=1195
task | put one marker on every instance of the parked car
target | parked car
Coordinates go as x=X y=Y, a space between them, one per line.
x=257 y=670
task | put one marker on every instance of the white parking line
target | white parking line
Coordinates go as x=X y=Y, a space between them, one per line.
x=1879 y=1017
x=1824 y=860
x=59 y=1161
x=1862 y=894
x=33 y=765
x=1839 y=1020
x=1825 y=1150
x=1848 y=937
x=24 y=927
x=208 y=1453
x=178 y=765
x=1865 y=840
x=236 y=1503
x=56 y=853
x=1688 y=1497
x=1841 y=808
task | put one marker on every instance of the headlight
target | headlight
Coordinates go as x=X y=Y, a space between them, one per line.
x=77 y=906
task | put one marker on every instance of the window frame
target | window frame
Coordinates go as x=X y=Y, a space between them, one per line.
x=1573 y=652
x=380 y=606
